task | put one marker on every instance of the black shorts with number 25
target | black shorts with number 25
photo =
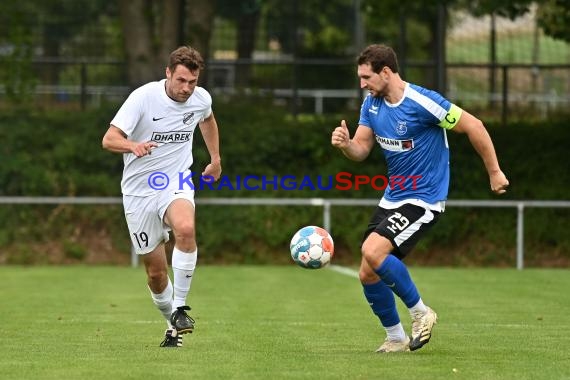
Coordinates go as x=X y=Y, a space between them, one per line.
x=403 y=226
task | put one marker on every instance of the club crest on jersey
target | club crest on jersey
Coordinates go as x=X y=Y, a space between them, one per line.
x=395 y=145
x=401 y=128
x=188 y=117
x=171 y=137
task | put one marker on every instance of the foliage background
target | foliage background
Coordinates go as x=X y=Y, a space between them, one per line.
x=65 y=67
x=59 y=154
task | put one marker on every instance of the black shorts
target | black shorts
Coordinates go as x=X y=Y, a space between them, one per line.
x=403 y=226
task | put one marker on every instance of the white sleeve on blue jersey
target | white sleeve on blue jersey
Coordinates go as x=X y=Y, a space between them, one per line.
x=437 y=109
x=364 y=119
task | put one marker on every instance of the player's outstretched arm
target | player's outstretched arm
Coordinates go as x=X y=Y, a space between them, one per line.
x=481 y=141
x=115 y=141
x=357 y=148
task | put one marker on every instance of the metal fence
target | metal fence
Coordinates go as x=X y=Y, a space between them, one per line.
x=326 y=204
x=490 y=65
x=545 y=90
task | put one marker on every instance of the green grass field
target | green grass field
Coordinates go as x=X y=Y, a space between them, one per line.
x=280 y=322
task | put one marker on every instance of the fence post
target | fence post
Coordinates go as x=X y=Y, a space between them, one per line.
x=327 y=216
x=520 y=235
x=83 y=86
x=295 y=78
x=134 y=257
x=319 y=102
x=505 y=104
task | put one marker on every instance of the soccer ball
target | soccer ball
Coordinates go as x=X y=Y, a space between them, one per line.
x=312 y=247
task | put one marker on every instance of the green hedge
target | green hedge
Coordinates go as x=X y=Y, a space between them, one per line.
x=59 y=153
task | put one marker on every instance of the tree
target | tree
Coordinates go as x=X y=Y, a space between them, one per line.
x=17 y=45
x=246 y=14
x=199 y=17
x=39 y=28
x=411 y=29
x=509 y=8
x=313 y=29
x=310 y=28
x=152 y=29
x=149 y=29
x=553 y=17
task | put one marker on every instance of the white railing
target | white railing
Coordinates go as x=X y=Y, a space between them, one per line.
x=325 y=203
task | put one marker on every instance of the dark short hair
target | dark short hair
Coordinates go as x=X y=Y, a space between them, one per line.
x=187 y=57
x=378 y=56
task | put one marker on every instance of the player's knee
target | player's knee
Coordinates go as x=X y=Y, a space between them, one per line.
x=367 y=251
x=184 y=230
x=374 y=254
x=366 y=275
x=157 y=279
x=376 y=244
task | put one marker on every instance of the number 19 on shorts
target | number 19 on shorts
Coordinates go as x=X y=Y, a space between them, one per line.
x=142 y=239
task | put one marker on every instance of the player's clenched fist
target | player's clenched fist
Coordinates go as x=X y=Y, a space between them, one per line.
x=341 y=136
x=499 y=182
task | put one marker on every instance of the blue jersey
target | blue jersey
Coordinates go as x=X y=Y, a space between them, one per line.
x=412 y=136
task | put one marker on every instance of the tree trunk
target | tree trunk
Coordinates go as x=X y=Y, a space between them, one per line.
x=50 y=71
x=141 y=62
x=170 y=29
x=200 y=22
x=153 y=29
x=247 y=32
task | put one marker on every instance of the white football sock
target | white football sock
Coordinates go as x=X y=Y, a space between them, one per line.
x=396 y=332
x=183 y=265
x=418 y=308
x=163 y=301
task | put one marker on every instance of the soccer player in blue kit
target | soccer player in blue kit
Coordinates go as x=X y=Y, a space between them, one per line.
x=409 y=123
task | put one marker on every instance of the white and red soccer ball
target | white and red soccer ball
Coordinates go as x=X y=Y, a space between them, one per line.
x=312 y=247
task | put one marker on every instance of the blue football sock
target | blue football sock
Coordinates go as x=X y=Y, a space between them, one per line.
x=395 y=275
x=381 y=300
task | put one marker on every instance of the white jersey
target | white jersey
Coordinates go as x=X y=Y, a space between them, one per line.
x=149 y=114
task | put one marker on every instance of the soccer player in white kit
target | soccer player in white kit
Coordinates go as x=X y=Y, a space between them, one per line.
x=154 y=129
x=409 y=123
